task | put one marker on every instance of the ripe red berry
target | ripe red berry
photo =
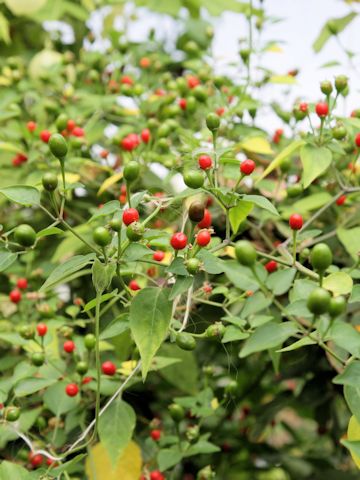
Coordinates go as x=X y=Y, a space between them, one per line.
x=22 y=283
x=104 y=153
x=303 y=107
x=45 y=136
x=145 y=62
x=70 y=125
x=206 y=221
x=72 y=390
x=15 y=296
x=178 y=241
x=134 y=286
x=271 y=266
x=130 y=215
x=125 y=80
x=108 y=368
x=69 y=346
x=247 y=167
x=203 y=238
x=156 y=475
x=155 y=435
x=35 y=459
x=145 y=135
x=193 y=81
x=86 y=380
x=130 y=142
x=182 y=103
x=158 y=256
x=357 y=139
x=207 y=288
x=220 y=111
x=78 y=132
x=31 y=126
x=205 y=162
x=41 y=329
x=341 y=200
x=322 y=109
x=296 y=221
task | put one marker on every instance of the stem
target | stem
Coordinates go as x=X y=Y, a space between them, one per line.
x=128 y=193
x=74 y=232
x=294 y=246
x=228 y=232
x=97 y=360
x=62 y=166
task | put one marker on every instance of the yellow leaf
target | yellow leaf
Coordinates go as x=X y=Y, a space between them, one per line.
x=127 y=367
x=275 y=49
x=98 y=465
x=131 y=111
x=214 y=403
x=229 y=252
x=353 y=433
x=70 y=178
x=285 y=79
x=23 y=7
x=109 y=182
x=256 y=145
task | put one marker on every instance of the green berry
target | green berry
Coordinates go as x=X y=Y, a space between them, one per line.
x=212 y=121
x=321 y=257
x=58 y=146
x=318 y=301
x=185 y=341
x=102 y=236
x=25 y=235
x=245 y=253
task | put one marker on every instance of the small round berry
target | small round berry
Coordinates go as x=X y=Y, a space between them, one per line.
x=78 y=132
x=341 y=200
x=205 y=162
x=322 y=109
x=102 y=236
x=72 y=390
x=31 y=126
x=58 y=145
x=69 y=346
x=247 y=167
x=145 y=62
x=296 y=221
x=130 y=215
x=108 y=368
x=158 y=256
x=203 y=238
x=155 y=435
x=193 y=81
x=156 y=475
x=212 y=121
x=25 y=235
x=182 y=103
x=86 y=380
x=104 y=153
x=50 y=181
x=41 y=329
x=145 y=135
x=70 y=125
x=35 y=460
x=178 y=241
x=304 y=107
x=134 y=286
x=15 y=296
x=131 y=172
x=22 y=283
x=206 y=221
x=45 y=136
x=271 y=266
x=126 y=80
x=90 y=341
x=357 y=139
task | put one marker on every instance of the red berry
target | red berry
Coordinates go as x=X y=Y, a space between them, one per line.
x=322 y=109
x=145 y=62
x=69 y=346
x=22 y=283
x=155 y=435
x=207 y=288
x=193 y=81
x=203 y=238
x=41 y=329
x=271 y=266
x=78 y=132
x=178 y=241
x=182 y=103
x=303 y=107
x=15 y=296
x=158 y=256
x=205 y=162
x=134 y=286
x=86 y=380
x=130 y=215
x=220 y=111
x=296 y=221
x=341 y=200
x=16 y=161
x=31 y=126
x=145 y=135
x=130 y=142
x=357 y=139
x=206 y=221
x=45 y=135
x=35 y=459
x=125 y=80
x=108 y=368
x=70 y=125
x=72 y=390
x=104 y=153
x=156 y=475
x=247 y=167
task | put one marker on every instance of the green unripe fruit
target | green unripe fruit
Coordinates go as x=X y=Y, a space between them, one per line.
x=194 y=179
x=232 y=388
x=11 y=414
x=321 y=257
x=25 y=235
x=337 y=306
x=245 y=253
x=318 y=301
x=294 y=190
x=191 y=104
x=116 y=224
x=196 y=211
x=177 y=412
x=138 y=90
x=305 y=253
x=215 y=330
x=341 y=83
x=50 y=181
x=37 y=359
x=41 y=423
x=185 y=341
x=152 y=123
x=245 y=54
x=285 y=165
x=339 y=132
x=131 y=171
x=163 y=145
x=206 y=473
x=90 y=341
x=212 y=121
x=200 y=94
x=27 y=332
x=326 y=87
x=193 y=265
x=299 y=114
x=61 y=122
x=163 y=131
x=82 y=368
x=58 y=146
x=102 y=236
x=135 y=231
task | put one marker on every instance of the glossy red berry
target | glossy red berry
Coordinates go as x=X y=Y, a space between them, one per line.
x=182 y=103
x=145 y=62
x=70 y=125
x=31 y=126
x=322 y=109
x=72 y=390
x=134 y=286
x=78 y=132
x=357 y=139
x=156 y=475
x=203 y=238
x=145 y=135
x=130 y=142
x=271 y=266
x=35 y=459
x=206 y=221
x=178 y=241
x=296 y=221
x=69 y=346
x=15 y=296
x=341 y=200
x=41 y=329
x=22 y=283
x=125 y=80
x=158 y=256
x=45 y=136
x=104 y=153
x=205 y=162
x=247 y=167
x=130 y=215
x=303 y=107
x=108 y=368
x=220 y=111
x=86 y=380
x=155 y=435
x=193 y=81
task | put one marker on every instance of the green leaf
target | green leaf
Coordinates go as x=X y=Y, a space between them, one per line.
x=135 y=251
x=346 y=337
x=254 y=304
x=340 y=23
x=108 y=209
x=118 y=326
x=183 y=375
x=32 y=385
x=352 y=397
x=322 y=38
x=104 y=298
x=46 y=232
x=181 y=285
x=355 y=294
x=233 y=334
x=339 y=283
x=211 y=263
x=312 y=202
x=261 y=202
x=283 y=155
x=4 y=29
x=116 y=427
x=352 y=445
x=66 y=269
x=280 y=282
x=350 y=375
x=150 y=315
x=169 y=457
x=201 y=447
x=56 y=400
x=303 y=342
x=22 y=194
x=315 y=161
x=6 y=259
x=283 y=79
x=239 y=213
x=350 y=238
x=269 y=335
x=13 y=471
x=102 y=275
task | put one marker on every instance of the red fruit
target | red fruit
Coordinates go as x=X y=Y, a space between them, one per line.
x=22 y=158
x=130 y=215
x=341 y=200
x=22 y=283
x=303 y=107
x=130 y=142
x=41 y=329
x=49 y=461
x=70 y=125
x=357 y=139
x=151 y=271
x=15 y=296
x=108 y=368
x=271 y=266
x=205 y=162
x=178 y=241
x=203 y=238
x=72 y=390
x=155 y=435
x=145 y=135
x=86 y=380
x=69 y=346
x=182 y=103
x=45 y=135
x=123 y=189
x=35 y=459
x=160 y=92
x=247 y=167
x=220 y=111
x=206 y=221
x=322 y=109
x=104 y=153
x=296 y=221
x=122 y=199
x=156 y=475
x=31 y=126
x=193 y=81
x=158 y=256
x=125 y=80
x=134 y=286
x=207 y=288
x=145 y=62
x=78 y=132
x=16 y=161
